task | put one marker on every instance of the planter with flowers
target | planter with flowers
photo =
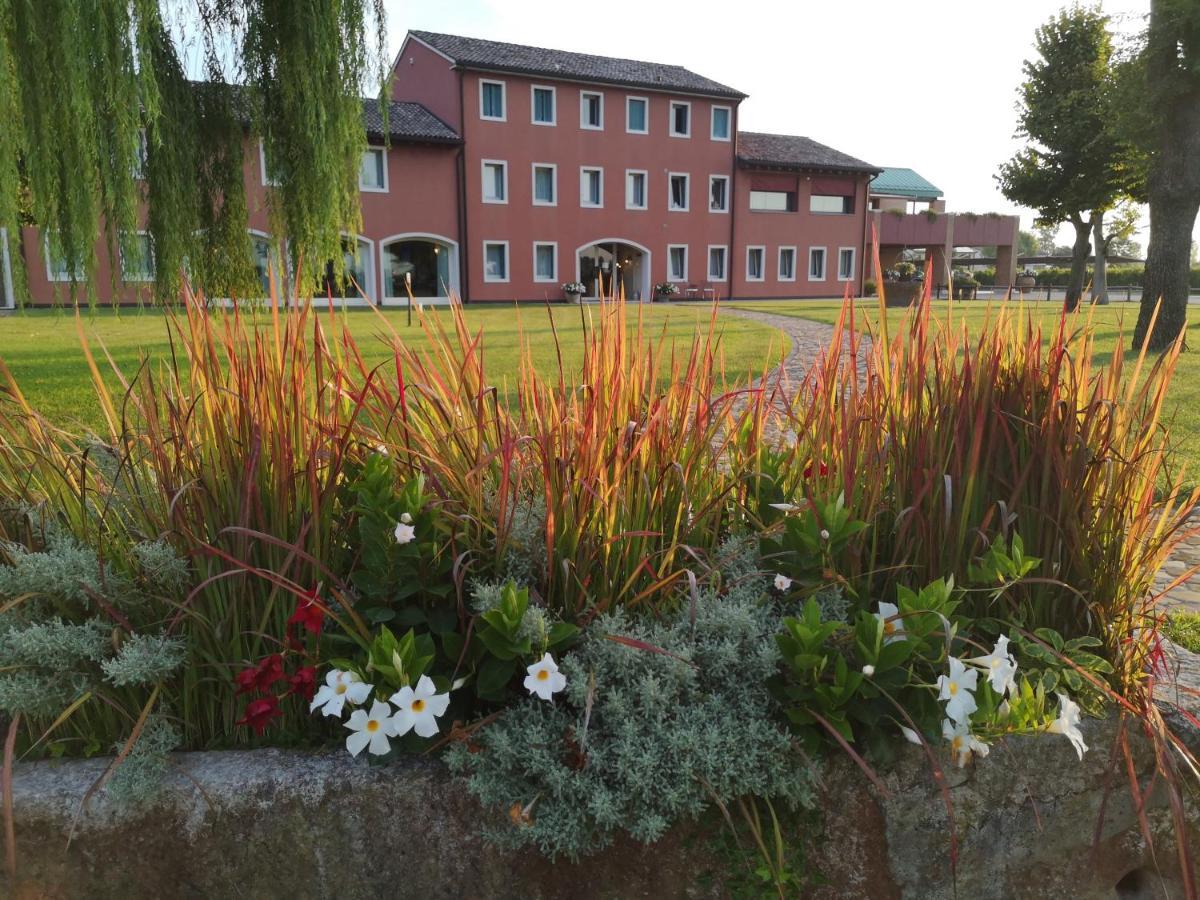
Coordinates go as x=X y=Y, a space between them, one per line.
x=616 y=603
x=574 y=291
x=1027 y=280
x=665 y=290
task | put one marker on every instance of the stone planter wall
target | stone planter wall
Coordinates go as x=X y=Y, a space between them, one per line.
x=270 y=823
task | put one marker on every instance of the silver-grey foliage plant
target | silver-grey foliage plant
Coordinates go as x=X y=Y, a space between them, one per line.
x=669 y=733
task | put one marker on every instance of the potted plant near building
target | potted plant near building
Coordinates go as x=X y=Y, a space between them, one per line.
x=964 y=284
x=902 y=284
x=1027 y=280
x=665 y=290
x=574 y=291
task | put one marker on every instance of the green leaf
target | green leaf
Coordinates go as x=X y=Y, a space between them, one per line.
x=494 y=676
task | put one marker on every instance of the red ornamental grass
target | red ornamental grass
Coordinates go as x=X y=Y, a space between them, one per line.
x=260 y=713
x=259 y=678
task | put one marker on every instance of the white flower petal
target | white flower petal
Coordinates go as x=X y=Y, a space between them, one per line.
x=357 y=741
x=379 y=742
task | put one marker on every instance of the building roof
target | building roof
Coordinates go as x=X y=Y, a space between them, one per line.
x=494 y=56
x=407 y=121
x=787 y=151
x=904 y=183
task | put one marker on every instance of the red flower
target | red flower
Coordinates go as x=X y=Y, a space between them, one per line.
x=304 y=682
x=259 y=714
x=309 y=613
x=821 y=470
x=259 y=678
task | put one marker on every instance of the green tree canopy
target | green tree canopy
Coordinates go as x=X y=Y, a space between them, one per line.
x=1075 y=164
x=1162 y=113
x=102 y=126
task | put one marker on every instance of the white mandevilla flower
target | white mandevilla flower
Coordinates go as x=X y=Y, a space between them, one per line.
x=893 y=626
x=1000 y=666
x=406 y=518
x=419 y=708
x=339 y=687
x=824 y=534
x=958 y=690
x=782 y=583
x=1068 y=723
x=963 y=744
x=544 y=679
x=868 y=670
x=370 y=731
x=404 y=532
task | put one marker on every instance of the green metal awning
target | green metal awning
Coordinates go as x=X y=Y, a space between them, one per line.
x=904 y=183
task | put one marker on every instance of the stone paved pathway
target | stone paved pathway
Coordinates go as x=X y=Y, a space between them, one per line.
x=809 y=338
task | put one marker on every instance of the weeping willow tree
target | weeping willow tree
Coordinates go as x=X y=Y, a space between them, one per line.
x=103 y=134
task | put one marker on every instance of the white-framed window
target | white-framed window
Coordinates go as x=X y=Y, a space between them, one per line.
x=137 y=257
x=717 y=258
x=721 y=126
x=495 y=181
x=718 y=193
x=830 y=204
x=140 y=153
x=678 y=191
x=493 y=105
x=681 y=119
x=637 y=115
x=495 y=261
x=56 y=263
x=545 y=261
x=269 y=177
x=755 y=257
x=677 y=262
x=373 y=173
x=591 y=110
x=545 y=184
x=591 y=186
x=543 y=104
x=635 y=188
x=816 y=263
x=845 y=264
x=772 y=201
x=787 y=263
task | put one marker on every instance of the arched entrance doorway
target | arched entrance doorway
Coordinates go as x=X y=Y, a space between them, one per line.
x=428 y=262
x=612 y=267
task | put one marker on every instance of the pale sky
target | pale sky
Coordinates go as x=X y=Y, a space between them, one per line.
x=926 y=84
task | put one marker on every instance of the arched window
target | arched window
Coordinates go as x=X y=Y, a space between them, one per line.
x=357 y=266
x=265 y=258
x=425 y=262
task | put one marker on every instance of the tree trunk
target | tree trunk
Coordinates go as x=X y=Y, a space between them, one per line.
x=1079 y=258
x=1100 y=268
x=1173 y=189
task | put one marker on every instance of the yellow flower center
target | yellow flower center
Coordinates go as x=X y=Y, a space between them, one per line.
x=418 y=705
x=953 y=688
x=543 y=674
x=956 y=744
x=340 y=689
x=372 y=725
x=889 y=627
x=995 y=663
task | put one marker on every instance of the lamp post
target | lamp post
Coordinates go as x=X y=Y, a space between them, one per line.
x=408 y=290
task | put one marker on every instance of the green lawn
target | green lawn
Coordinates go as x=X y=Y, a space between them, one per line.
x=1110 y=322
x=42 y=349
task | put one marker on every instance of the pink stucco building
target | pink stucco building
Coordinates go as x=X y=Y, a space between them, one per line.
x=508 y=170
